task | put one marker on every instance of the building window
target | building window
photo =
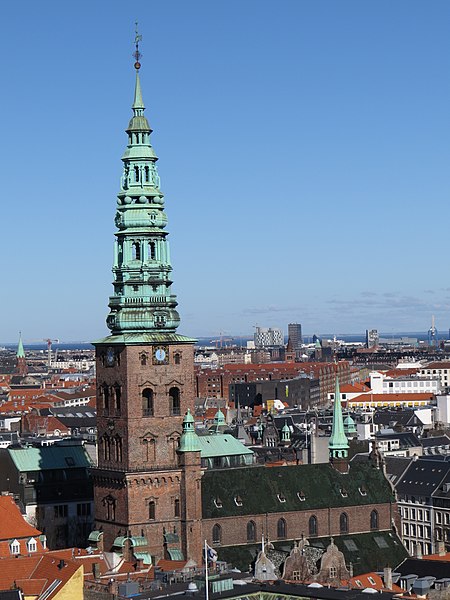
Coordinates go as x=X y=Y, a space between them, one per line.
x=312 y=526
x=217 y=534
x=110 y=505
x=147 y=402
x=177 y=358
x=32 y=545
x=117 y=396
x=175 y=405
x=15 y=547
x=84 y=509
x=333 y=572
x=147 y=173
x=343 y=523
x=152 y=510
x=136 y=172
x=251 y=531
x=136 y=251
x=281 y=528
x=117 y=446
x=374 y=520
x=60 y=511
x=176 y=507
x=152 y=250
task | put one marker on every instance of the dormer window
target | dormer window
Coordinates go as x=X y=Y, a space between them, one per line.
x=362 y=491
x=15 y=547
x=238 y=500
x=218 y=503
x=281 y=497
x=301 y=496
x=31 y=545
x=344 y=493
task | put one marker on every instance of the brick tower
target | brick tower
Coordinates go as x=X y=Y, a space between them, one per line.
x=145 y=377
x=21 y=363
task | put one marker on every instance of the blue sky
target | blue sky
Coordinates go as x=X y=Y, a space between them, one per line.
x=304 y=152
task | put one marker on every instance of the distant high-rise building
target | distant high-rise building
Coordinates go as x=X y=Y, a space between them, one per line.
x=295 y=335
x=266 y=337
x=372 y=338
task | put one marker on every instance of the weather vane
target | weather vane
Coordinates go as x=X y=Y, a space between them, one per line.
x=137 y=55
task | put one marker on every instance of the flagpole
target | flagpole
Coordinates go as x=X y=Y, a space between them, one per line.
x=206 y=573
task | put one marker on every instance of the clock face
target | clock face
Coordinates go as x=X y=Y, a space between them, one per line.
x=110 y=357
x=160 y=354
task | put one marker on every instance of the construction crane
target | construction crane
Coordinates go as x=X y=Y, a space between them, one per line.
x=49 y=350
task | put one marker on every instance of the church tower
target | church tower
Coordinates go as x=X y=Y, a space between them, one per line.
x=21 y=364
x=145 y=373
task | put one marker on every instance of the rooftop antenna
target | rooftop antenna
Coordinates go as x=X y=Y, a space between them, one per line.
x=136 y=54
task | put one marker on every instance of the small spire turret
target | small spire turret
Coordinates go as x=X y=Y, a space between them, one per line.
x=338 y=444
x=22 y=368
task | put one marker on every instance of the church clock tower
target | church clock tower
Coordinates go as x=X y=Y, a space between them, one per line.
x=145 y=375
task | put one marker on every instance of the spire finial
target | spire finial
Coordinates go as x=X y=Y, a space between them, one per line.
x=137 y=55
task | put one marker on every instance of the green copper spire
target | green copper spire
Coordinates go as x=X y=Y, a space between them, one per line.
x=338 y=444
x=142 y=304
x=189 y=439
x=20 y=351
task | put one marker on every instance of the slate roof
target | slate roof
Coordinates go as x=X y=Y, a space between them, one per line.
x=423 y=568
x=407 y=439
x=396 y=466
x=321 y=484
x=423 y=477
x=431 y=442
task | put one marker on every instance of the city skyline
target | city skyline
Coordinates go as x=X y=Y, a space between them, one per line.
x=333 y=229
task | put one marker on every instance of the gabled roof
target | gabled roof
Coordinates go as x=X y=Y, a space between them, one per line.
x=12 y=522
x=260 y=488
x=422 y=477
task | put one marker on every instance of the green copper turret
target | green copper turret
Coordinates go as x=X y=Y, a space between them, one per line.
x=143 y=303
x=338 y=444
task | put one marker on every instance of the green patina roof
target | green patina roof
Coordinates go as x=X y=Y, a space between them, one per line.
x=373 y=552
x=94 y=536
x=144 y=556
x=189 y=441
x=221 y=444
x=338 y=439
x=321 y=484
x=49 y=457
x=20 y=350
x=145 y=338
x=175 y=554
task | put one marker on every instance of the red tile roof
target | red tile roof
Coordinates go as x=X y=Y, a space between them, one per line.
x=12 y=523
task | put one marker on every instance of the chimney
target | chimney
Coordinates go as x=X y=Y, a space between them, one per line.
x=418 y=551
x=61 y=564
x=387 y=576
x=440 y=548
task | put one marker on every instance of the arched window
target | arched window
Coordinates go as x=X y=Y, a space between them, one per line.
x=176 y=507
x=118 y=448
x=343 y=523
x=147 y=174
x=106 y=397
x=136 y=173
x=106 y=446
x=313 y=525
x=217 y=534
x=281 y=528
x=152 y=250
x=374 y=520
x=136 y=251
x=177 y=358
x=144 y=358
x=110 y=504
x=117 y=396
x=152 y=510
x=175 y=406
x=251 y=531
x=147 y=402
